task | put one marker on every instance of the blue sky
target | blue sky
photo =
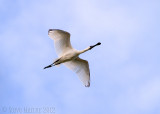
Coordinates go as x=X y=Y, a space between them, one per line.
x=125 y=76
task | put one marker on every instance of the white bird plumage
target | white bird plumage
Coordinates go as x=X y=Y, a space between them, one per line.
x=69 y=56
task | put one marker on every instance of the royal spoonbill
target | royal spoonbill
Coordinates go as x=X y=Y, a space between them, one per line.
x=69 y=56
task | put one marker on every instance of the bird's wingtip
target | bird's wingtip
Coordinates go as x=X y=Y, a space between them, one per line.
x=50 y=30
x=88 y=84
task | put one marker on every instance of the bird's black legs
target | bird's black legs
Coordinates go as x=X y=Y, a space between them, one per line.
x=53 y=64
x=48 y=66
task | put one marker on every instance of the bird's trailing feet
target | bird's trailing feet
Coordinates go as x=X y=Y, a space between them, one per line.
x=53 y=64
x=48 y=66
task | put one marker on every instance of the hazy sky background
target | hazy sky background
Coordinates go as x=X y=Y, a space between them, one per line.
x=125 y=69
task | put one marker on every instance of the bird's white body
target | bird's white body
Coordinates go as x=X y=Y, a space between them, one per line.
x=69 y=56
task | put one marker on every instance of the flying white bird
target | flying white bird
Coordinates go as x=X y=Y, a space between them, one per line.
x=69 y=56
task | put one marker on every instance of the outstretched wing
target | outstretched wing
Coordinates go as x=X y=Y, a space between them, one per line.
x=81 y=67
x=61 y=40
